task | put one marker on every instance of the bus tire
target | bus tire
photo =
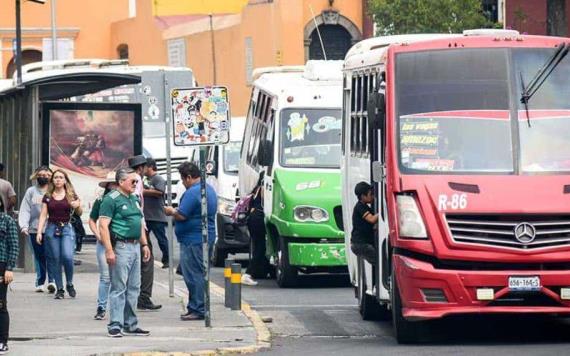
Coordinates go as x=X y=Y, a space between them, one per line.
x=286 y=275
x=406 y=331
x=219 y=256
x=368 y=306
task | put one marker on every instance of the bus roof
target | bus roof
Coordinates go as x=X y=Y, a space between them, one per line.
x=62 y=79
x=315 y=84
x=369 y=52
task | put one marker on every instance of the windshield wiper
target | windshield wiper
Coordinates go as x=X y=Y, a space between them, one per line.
x=541 y=76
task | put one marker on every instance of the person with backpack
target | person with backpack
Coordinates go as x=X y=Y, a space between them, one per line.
x=258 y=266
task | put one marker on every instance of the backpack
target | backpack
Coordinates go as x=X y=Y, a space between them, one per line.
x=241 y=211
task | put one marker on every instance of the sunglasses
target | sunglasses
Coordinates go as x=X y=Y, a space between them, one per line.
x=134 y=181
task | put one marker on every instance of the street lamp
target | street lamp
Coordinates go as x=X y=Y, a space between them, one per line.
x=19 y=41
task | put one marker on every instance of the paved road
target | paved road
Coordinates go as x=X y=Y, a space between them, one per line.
x=321 y=318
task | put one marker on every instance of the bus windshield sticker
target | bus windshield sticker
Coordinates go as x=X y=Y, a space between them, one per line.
x=297 y=125
x=327 y=123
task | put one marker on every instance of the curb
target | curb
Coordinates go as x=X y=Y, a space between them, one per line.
x=263 y=339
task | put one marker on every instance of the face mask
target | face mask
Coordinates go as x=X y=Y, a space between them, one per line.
x=42 y=180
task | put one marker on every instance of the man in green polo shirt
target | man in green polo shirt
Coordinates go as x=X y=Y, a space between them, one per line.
x=120 y=221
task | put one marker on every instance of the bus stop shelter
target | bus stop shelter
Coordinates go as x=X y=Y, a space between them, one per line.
x=21 y=136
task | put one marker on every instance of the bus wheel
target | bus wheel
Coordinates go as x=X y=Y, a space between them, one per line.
x=368 y=306
x=286 y=275
x=406 y=331
x=218 y=256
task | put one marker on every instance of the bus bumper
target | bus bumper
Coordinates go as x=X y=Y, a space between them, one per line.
x=429 y=293
x=317 y=254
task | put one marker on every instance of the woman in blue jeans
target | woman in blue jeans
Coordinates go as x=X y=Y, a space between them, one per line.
x=28 y=219
x=104 y=278
x=58 y=205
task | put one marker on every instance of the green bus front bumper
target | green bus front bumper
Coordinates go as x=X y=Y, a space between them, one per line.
x=317 y=254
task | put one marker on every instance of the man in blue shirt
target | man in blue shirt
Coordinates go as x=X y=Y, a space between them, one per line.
x=188 y=218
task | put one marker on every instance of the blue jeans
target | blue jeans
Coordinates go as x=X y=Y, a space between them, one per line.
x=125 y=286
x=104 y=277
x=158 y=228
x=40 y=262
x=192 y=267
x=59 y=252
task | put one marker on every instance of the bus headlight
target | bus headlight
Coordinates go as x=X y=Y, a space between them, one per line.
x=410 y=220
x=226 y=206
x=310 y=213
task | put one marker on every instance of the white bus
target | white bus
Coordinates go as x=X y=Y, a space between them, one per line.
x=293 y=135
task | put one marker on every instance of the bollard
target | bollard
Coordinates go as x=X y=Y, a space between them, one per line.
x=227 y=287
x=236 y=286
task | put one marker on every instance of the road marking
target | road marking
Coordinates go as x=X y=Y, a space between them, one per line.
x=320 y=306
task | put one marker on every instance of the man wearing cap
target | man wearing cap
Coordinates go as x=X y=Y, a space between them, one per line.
x=363 y=223
x=109 y=185
x=123 y=235
x=138 y=164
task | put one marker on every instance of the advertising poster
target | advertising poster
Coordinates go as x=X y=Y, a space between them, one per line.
x=88 y=141
x=201 y=116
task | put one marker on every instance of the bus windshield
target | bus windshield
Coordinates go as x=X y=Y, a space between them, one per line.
x=231 y=157
x=310 y=138
x=455 y=112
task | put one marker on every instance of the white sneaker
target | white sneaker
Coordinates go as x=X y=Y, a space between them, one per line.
x=247 y=280
x=39 y=289
x=51 y=288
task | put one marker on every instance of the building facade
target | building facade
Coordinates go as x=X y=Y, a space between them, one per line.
x=538 y=17
x=265 y=33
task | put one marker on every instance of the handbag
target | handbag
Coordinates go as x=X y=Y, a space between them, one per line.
x=242 y=209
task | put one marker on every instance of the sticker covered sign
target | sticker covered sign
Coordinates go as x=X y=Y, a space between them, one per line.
x=201 y=116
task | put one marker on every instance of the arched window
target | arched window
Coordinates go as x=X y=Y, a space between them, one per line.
x=339 y=33
x=336 y=40
x=123 y=51
x=28 y=56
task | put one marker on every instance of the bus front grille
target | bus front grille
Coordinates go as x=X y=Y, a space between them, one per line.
x=511 y=231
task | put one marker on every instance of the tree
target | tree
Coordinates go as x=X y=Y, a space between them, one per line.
x=427 y=16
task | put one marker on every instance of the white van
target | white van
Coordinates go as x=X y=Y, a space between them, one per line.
x=224 y=179
x=293 y=134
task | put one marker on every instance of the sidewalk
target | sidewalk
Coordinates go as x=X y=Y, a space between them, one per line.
x=41 y=325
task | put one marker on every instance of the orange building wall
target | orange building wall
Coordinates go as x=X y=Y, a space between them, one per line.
x=273 y=27
x=92 y=17
x=143 y=36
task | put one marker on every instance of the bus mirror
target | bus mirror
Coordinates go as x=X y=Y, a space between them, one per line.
x=211 y=168
x=377 y=172
x=376 y=110
x=265 y=154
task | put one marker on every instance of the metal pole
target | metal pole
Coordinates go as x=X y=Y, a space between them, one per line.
x=205 y=247
x=169 y=232
x=53 y=31
x=18 y=46
x=228 y=284
x=213 y=49
x=236 y=287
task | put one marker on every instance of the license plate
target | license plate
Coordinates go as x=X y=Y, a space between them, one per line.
x=524 y=283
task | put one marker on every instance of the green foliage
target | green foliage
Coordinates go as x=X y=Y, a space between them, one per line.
x=427 y=16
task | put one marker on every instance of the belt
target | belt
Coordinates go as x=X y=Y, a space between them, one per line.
x=59 y=223
x=128 y=241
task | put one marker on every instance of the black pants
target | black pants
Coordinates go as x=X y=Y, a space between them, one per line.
x=366 y=251
x=147 y=276
x=4 y=316
x=258 y=266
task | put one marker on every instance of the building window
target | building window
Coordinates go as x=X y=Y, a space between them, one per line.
x=123 y=51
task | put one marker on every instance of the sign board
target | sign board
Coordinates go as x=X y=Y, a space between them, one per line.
x=201 y=116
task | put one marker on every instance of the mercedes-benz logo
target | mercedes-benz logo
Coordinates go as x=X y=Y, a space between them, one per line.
x=525 y=232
